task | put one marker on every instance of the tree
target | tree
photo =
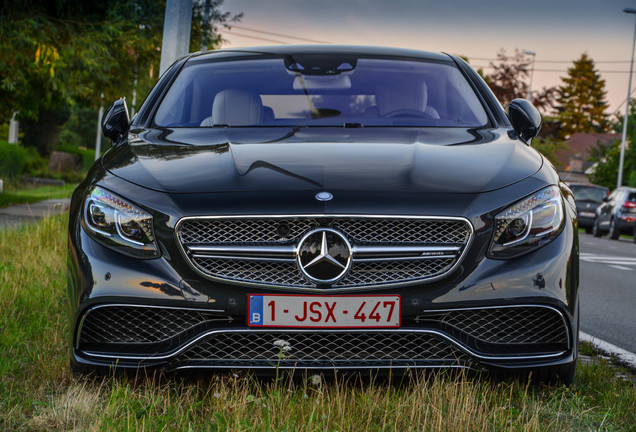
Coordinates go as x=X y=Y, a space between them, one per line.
x=605 y=158
x=509 y=80
x=69 y=52
x=581 y=104
x=608 y=158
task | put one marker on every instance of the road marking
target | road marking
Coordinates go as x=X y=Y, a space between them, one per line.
x=612 y=261
x=621 y=267
x=623 y=356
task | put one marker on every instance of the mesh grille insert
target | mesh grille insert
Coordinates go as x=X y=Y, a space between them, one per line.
x=139 y=325
x=287 y=232
x=323 y=349
x=512 y=325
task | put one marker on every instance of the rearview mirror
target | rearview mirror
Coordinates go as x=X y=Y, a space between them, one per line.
x=116 y=121
x=525 y=119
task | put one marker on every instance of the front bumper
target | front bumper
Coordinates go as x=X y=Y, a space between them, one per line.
x=492 y=314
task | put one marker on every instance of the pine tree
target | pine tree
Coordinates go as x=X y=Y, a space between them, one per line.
x=581 y=103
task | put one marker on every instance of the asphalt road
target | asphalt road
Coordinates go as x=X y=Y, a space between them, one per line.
x=18 y=215
x=608 y=290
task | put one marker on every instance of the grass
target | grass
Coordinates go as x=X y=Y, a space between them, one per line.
x=22 y=195
x=38 y=392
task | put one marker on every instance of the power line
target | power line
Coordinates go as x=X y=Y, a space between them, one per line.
x=277 y=34
x=549 y=61
x=259 y=38
x=555 y=70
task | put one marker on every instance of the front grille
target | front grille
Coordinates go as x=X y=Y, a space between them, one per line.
x=208 y=245
x=139 y=325
x=513 y=325
x=232 y=231
x=322 y=350
x=263 y=272
x=151 y=331
x=376 y=273
x=503 y=330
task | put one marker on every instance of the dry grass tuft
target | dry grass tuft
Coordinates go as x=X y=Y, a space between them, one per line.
x=77 y=408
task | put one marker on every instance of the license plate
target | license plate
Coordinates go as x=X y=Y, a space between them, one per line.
x=587 y=214
x=346 y=311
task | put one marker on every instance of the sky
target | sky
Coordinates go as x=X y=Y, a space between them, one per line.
x=558 y=31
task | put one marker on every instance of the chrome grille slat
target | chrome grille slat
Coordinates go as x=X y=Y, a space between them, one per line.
x=261 y=250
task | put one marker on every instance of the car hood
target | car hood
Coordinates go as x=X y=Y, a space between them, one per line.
x=204 y=160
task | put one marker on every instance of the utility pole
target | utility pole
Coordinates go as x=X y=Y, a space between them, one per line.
x=13 y=129
x=534 y=55
x=176 y=32
x=206 y=24
x=98 y=138
x=621 y=162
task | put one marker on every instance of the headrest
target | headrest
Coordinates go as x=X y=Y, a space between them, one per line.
x=236 y=108
x=400 y=96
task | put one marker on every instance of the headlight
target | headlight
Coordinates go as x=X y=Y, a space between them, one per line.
x=528 y=224
x=117 y=224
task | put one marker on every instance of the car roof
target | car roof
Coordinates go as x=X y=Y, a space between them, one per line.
x=326 y=49
x=587 y=185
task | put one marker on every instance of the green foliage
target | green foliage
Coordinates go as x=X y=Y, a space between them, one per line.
x=57 y=54
x=608 y=158
x=80 y=130
x=13 y=159
x=87 y=156
x=581 y=103
x=607 y=161
x=549 y=147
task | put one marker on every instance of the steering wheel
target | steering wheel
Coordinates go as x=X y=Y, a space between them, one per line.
x=407 y=113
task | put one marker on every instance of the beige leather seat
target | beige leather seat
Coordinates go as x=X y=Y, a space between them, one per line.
x=234 y=107
x=398 y=96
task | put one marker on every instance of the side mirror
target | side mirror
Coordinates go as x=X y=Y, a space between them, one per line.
x=116 y=121
x=525 y=119
x=606 y=199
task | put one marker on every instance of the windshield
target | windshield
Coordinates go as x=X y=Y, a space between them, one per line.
x=589 y=193
x=318 y=90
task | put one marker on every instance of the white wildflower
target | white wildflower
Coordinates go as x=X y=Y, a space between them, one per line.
x=316 y=380
x=284 y=345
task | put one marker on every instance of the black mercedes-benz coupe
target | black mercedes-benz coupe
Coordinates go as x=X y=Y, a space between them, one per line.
x=323 y=208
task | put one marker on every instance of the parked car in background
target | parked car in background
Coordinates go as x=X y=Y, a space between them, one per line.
x=588 y=197
x=324 y=207
x=617 y=214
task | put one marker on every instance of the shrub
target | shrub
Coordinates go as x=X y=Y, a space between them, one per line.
x=13 y=160
x=87 y=155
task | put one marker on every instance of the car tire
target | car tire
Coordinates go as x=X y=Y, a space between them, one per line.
x=588 y=230
x=596 y=229
x=613 y=232
x=634 y=233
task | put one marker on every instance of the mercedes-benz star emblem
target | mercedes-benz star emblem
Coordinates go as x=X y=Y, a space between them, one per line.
x=324 y=196
x=324 y=255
